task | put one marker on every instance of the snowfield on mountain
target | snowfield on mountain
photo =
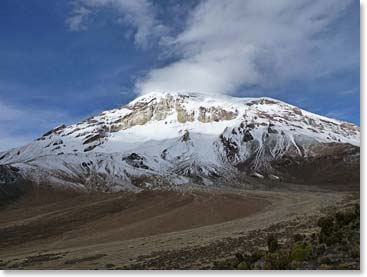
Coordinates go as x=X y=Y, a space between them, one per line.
x=172 y=139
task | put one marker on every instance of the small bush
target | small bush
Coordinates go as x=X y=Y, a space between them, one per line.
x=344 y=218
x=239 y=257
x=326 y=224
x=273 y=244
x=243 y=266
x=300 y=252
x=276 y=261
x=255 y=256
x=319 y=249
x=328 y=233
x=298 y=237
x=331 y=238
x=223 y=265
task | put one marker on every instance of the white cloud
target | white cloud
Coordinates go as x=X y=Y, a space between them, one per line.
x=8 y=113
x=229 y=44
x=77 y=21
x=138 y=14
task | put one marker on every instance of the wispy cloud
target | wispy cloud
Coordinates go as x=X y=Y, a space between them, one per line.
x=78 y=19
x=226 y=45
x=8 y=113
x=20 y=125
x=336 y=114
x=349 y=92
x=223 y=45
x=140 y=15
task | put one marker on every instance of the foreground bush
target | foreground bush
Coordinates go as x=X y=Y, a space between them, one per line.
x=335 y=246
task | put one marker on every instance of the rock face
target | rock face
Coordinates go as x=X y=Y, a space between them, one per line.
x=12 y=184
x=164 y=139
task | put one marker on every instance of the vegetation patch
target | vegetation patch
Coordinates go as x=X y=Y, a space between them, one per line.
x=300 y=252
x=335 y=246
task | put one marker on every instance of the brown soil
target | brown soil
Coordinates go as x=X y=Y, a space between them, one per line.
x=69 y=219
x=68 y=230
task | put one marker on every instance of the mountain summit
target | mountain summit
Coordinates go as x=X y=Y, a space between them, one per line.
x=165 y=139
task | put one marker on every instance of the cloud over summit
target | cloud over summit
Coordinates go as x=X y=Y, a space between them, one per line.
x=226 y=45
x=230 y=44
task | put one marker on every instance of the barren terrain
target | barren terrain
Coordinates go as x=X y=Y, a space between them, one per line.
x=49 y=229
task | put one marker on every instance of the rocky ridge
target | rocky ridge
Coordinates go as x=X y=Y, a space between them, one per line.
x=165 y=139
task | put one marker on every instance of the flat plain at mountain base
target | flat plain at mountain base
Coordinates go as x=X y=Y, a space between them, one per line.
x=191 y=228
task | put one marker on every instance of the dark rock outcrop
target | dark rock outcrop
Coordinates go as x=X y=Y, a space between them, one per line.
x=12 y=185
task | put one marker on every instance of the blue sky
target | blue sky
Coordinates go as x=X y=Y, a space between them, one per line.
x=62 y=61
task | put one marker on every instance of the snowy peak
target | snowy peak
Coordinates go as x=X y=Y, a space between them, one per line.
x=180 y=138
x=179 y=111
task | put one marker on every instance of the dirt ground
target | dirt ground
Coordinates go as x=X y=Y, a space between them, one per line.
x=68 y=230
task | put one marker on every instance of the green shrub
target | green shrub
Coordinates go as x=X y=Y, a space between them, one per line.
x=255 y=256
x=243 y=266
x=223 y=265
x=344 y=218
x=328 y=233
x=332 y=237
x=276 y=261
x=326 y=224
x=300 y=252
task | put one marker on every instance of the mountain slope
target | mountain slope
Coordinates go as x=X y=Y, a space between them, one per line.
x=162 y=139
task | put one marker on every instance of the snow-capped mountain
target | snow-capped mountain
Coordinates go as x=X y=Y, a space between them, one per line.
x=161 y=139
